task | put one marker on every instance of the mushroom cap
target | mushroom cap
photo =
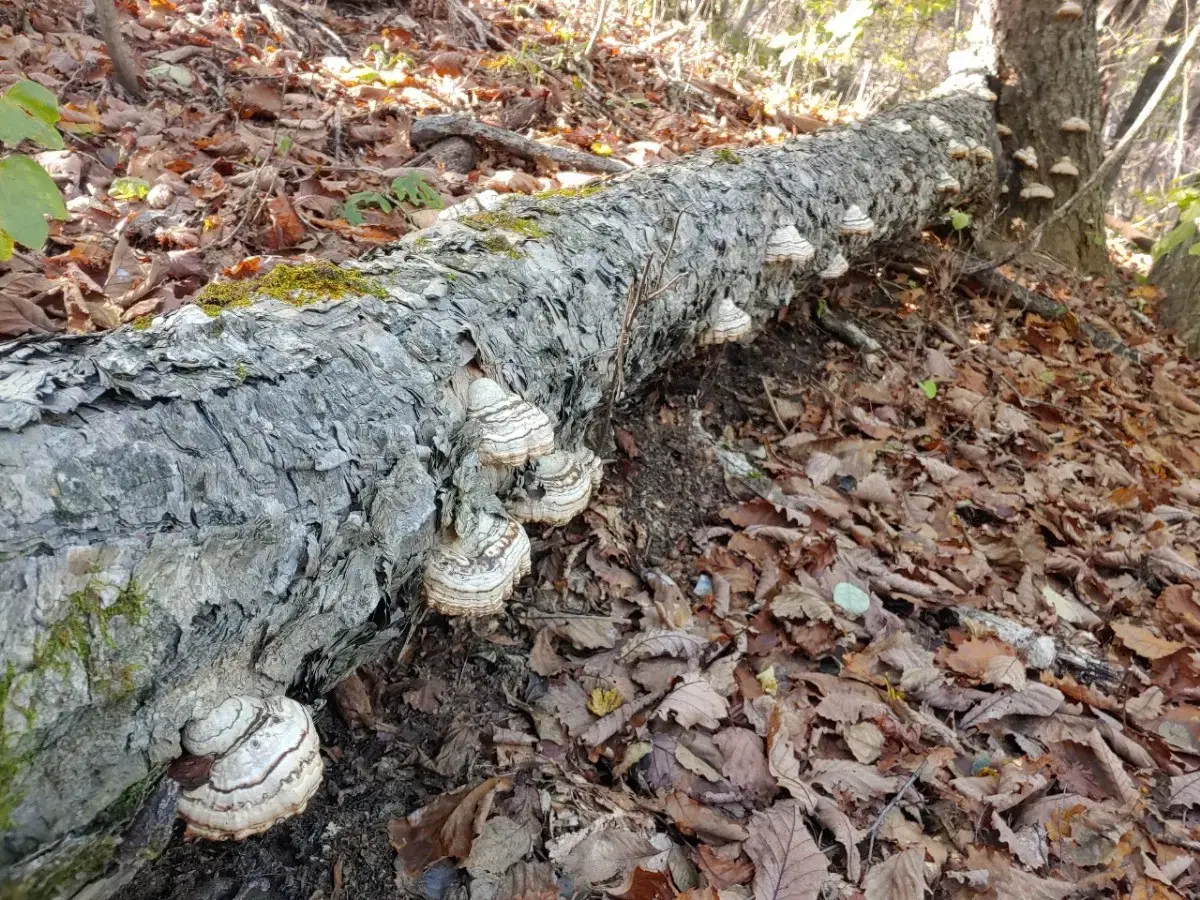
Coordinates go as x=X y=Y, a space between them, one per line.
x=513 y=430
x=1003 y=130
x=947 y=183
x=855 y=222
x=836 y=267
x=1075 y=125
x=266 y=766
x=473 y=574
x=1065 y=166
x=727 y=322
x=787 y=245
x=1035 y=191
x=1027 y=157
x=562 y=486
x=1068 y=11
x=985 y=95
x=982 y=154
x=959 y=150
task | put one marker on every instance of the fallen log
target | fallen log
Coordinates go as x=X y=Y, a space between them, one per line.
x=238 y=504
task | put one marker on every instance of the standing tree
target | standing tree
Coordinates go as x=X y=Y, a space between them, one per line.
x=1043 y=53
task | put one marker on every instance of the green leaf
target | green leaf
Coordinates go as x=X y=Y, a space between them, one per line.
x=929 y=386
x=35 y=100
x=411 y=187
x=1194 y=250
x=959 y=220
x=17 y=125
x=284 y=144
x=364 y=198
x=27 y=196
x=129 y=189
x=6 y=246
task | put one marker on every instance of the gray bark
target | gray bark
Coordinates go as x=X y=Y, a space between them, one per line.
x=256 y=492
x=1050 y=73
x=1177 y=272
x=1160 y=62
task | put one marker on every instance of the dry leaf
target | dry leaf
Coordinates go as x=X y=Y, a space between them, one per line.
x=602 y=856
x=721 y=872
x=694 y=702
x=543 y=658
x=1144 y=642
x=851 y=777
x=1005 y=671
x=678 y=644
x=1035 y=700
x=1185 y=790
x=445 y=827
x=782 y=762
x=865 y=741
x=899 y=877
x=831 y=816
x=1028 y=845
x=744 y=761
x=695 y=818
x=695 y=764
x=788 y=865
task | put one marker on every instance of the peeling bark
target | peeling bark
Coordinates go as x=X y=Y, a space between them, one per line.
x=240 y=504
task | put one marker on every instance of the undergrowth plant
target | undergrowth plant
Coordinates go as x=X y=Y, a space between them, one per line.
x=28 y=112
x=1186 y=199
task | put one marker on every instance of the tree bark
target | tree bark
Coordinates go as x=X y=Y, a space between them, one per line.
x=242 y=504
x=1177 y=272
x=1160 y=62
x=1049 y=73
x=124 y=68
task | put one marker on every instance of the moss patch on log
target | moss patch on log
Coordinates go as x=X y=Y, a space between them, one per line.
x=66 y=873
x=301 y=285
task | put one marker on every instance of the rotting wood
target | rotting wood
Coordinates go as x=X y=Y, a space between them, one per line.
x=240 y=504
x=431 y=129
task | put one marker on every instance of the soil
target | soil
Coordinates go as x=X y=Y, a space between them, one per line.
x=666 y=483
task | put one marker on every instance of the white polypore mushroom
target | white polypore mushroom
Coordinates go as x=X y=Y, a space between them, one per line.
x=855 y=222
x=266 y=764
x=1035 y=191
x=786 y=245
x=947 y=183
x=985 y=95
x=1003 y=130
x=727 y=322
x=1027 y=157
x=836 y=267
x=940 y=127
x=958 y=150
x=1075 y=125
x=1065 y=166
x=982 y=154
x=513 y=430
x=560 y=488
x=473 y=574
x=1069 y=11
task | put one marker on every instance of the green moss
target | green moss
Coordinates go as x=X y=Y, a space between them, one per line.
x=505 y=221
x=584 y=190
x=65 y=642
x=141 y=323
x=495 y=243
x=64 y=876
x=298 y=285
x=725 y=155
x=241 y=372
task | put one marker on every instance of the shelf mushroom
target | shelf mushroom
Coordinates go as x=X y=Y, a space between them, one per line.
x=474 y=574
x=855 y=222
x=265 y=766
x=836 y=267
x=560 y=488
x=1065 y=166
x=982 y=154
x=947 y=183
x=513 y=430
x=1036 y=191
x=941 y=127
x=1075 y=125
x=786 y=245
x=727 y=322
x=1027 y=157
x=958 y=150
x=1003 y=130
x=1069 y=11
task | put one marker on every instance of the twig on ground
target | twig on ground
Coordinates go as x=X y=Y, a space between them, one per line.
x=784 y=430
x=883 y=813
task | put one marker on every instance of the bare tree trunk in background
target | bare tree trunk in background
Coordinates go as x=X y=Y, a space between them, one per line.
x=595 y=36
x=1120 y=15
x=1049 y=73
x=1164 y=55
x=124 y=69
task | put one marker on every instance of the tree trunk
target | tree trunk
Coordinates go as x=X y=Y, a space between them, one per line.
x=1049 y=74
x=241 y=504
x=1177 y=272
x=1164 y=54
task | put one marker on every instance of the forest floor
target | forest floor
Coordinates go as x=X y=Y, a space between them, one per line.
x=757 y=665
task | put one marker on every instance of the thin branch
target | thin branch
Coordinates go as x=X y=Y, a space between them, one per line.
x=595 y=36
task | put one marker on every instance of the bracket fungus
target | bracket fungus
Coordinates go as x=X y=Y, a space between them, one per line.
x=1036 y=191
x=959 y=150
x=727 y=322
x=265 y=765
x=1075 y=125
x=1027 y=157
x=473 y=574
x=947 y=183
x=939 y=126
x=836 y=267
x=514 y=430
x=786 y=245
x=982 y=154
x=1003 y=130
x=1069 y=11
x=1065 y=166
x=855 y=222
x=562 y=485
